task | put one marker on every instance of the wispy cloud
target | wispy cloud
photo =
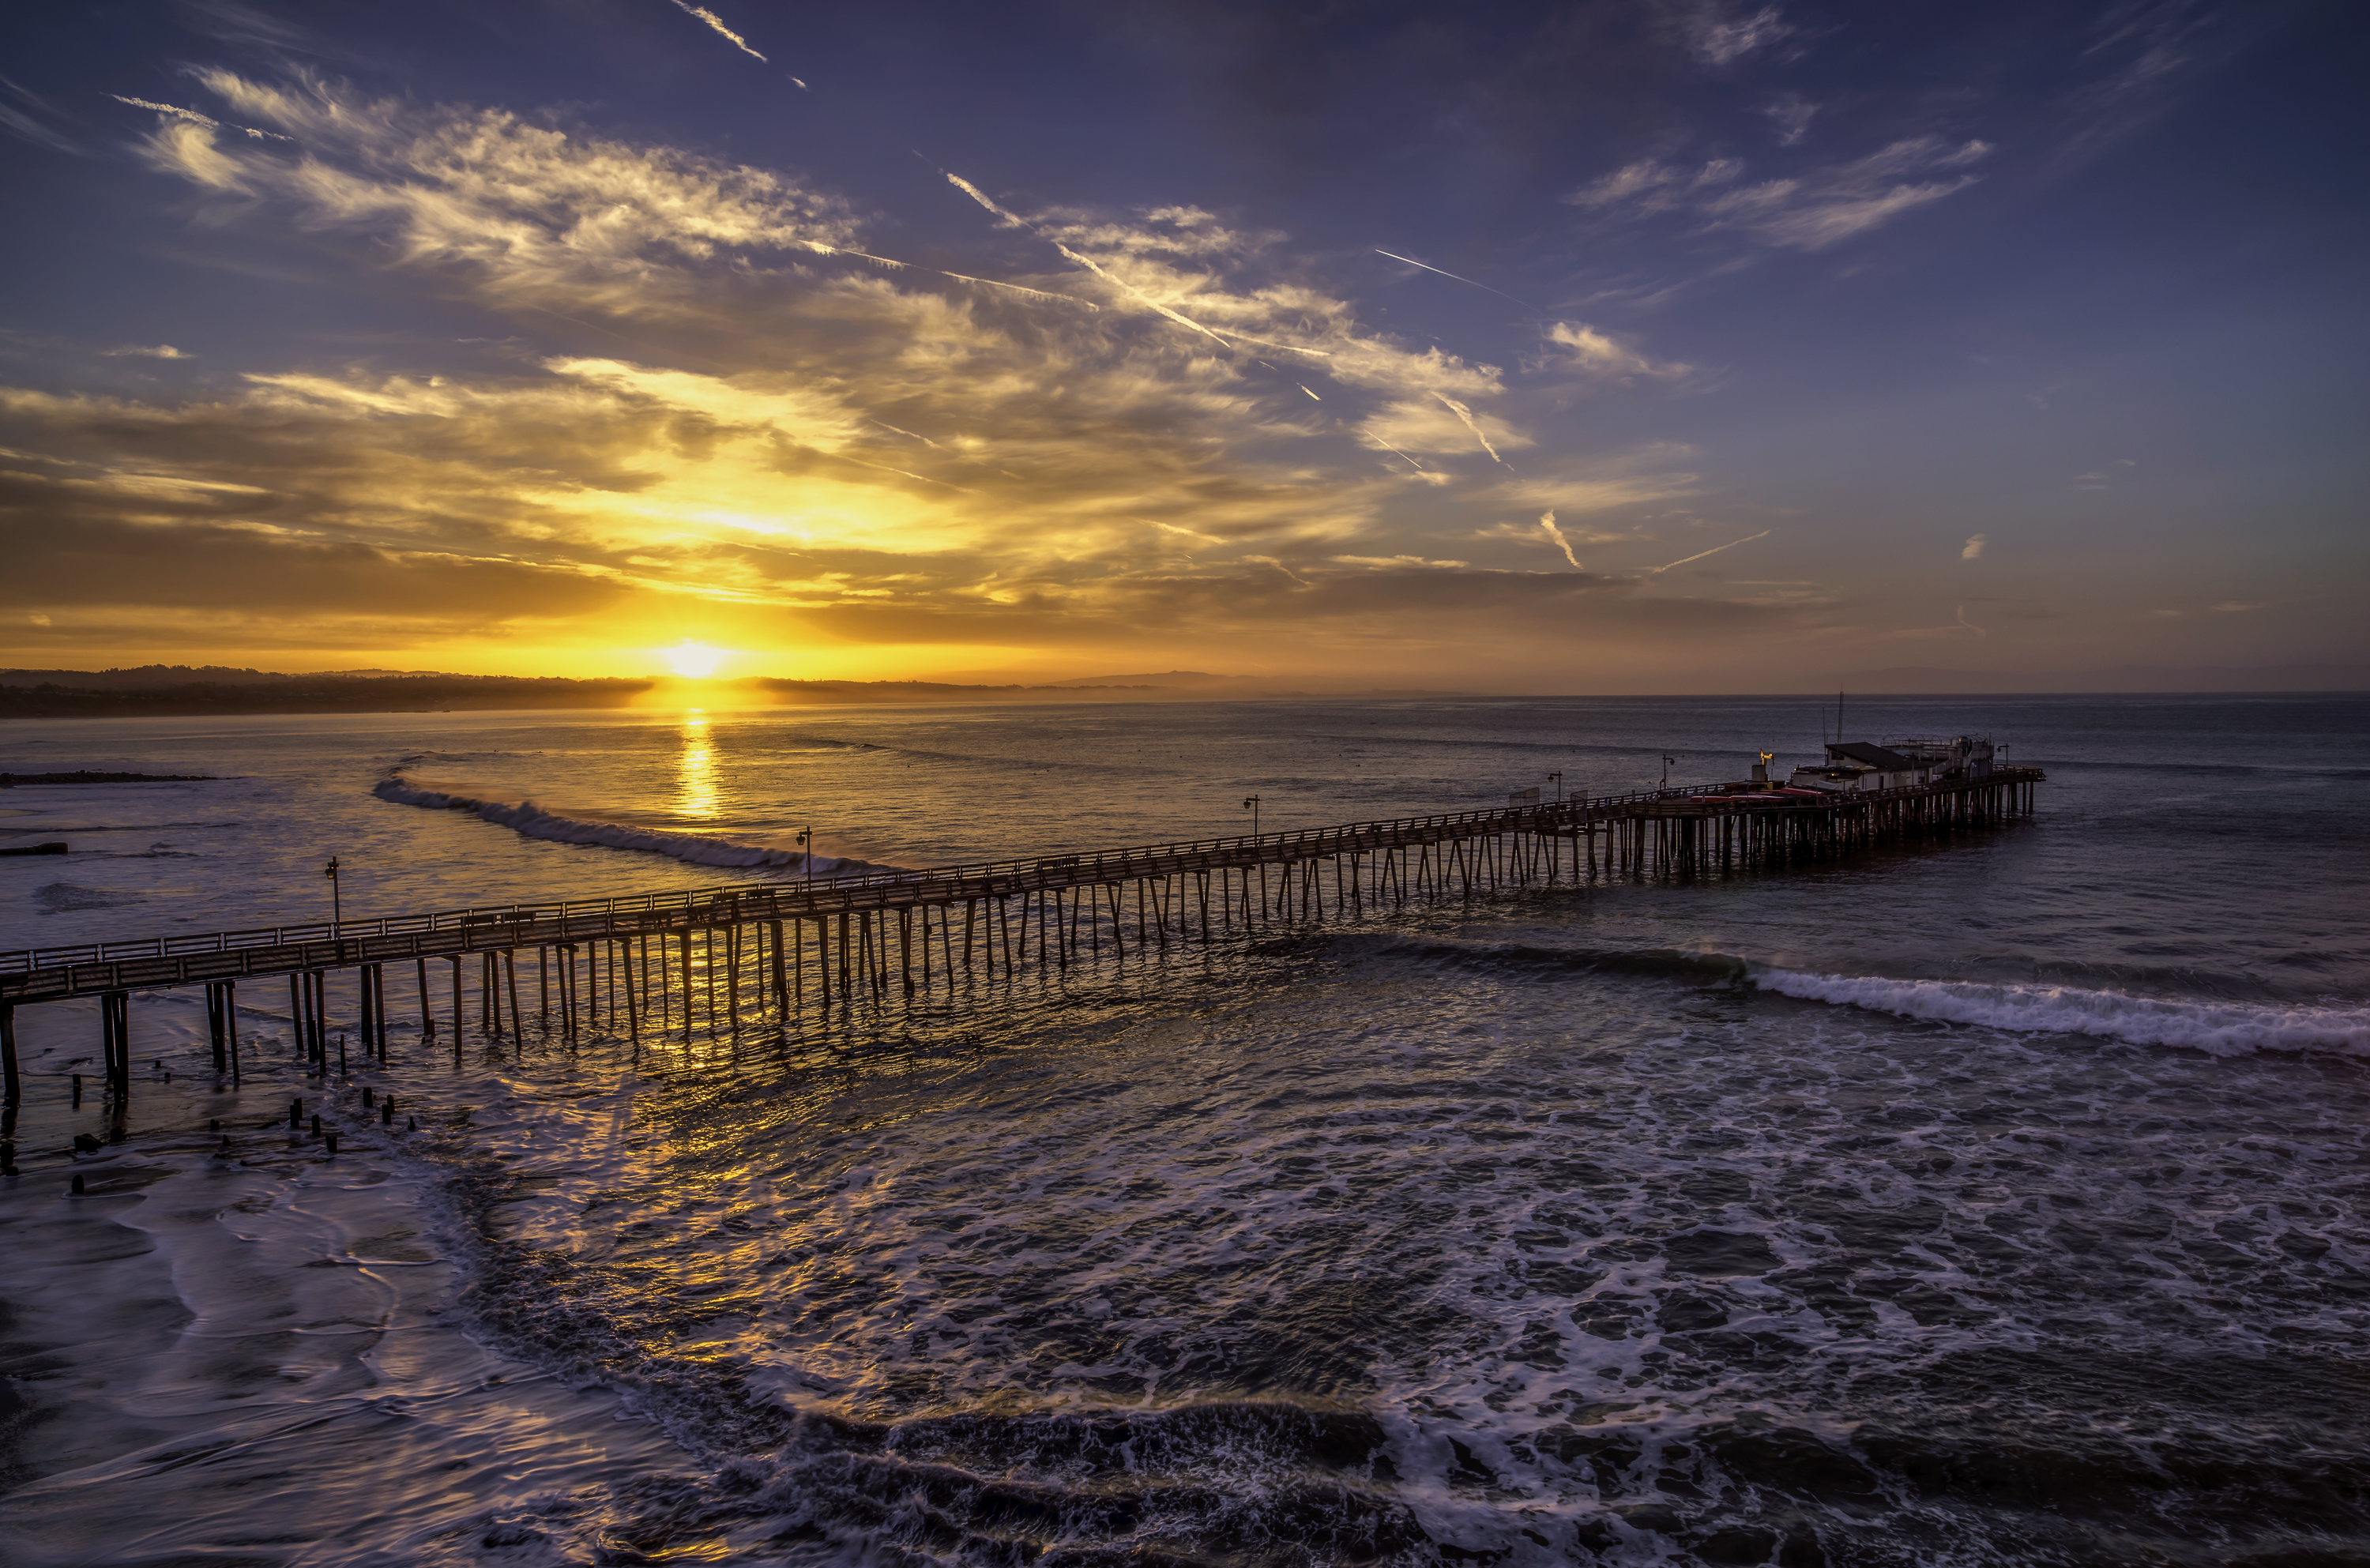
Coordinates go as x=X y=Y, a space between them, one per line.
x=1792 y=115
x=716 y=23
x=1979 y=631
x=19 y=123
x=1722 y=38
x=158 y=351
x=1579 y=348
x=1806 y=211
x=1973 y=548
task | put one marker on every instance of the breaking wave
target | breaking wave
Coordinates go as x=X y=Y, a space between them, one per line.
x=2219 y=1029
x=532 y=820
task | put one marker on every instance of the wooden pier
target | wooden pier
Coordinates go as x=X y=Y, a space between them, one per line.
x=709 y=957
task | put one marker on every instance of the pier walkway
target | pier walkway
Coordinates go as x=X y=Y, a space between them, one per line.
x=663 y=960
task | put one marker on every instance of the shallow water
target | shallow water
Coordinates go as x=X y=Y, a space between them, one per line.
x=1995 y=1202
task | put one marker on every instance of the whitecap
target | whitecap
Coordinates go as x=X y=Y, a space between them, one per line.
x=532 y=820
x=2220 y=1029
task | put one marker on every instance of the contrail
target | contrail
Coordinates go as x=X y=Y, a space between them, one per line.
x=1548 y=527
x=1971 y=625
x=713 y=21
x=1395 y=452
x=1306 y=389
x=884 y=425
x=976 y=194
x=1430 y=267
x=822 y=248
x=800 y=86
x=194 y=118
x=1016 y=288
x=1714 y=550
x=1462 y=413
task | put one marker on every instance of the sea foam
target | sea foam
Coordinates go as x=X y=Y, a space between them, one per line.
x=2218 y=1028
x=532 y=820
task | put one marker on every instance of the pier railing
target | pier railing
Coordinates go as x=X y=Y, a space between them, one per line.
x=52 y=973
x=792 y=894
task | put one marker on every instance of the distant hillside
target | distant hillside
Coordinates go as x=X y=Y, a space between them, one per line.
x=120 y=693
x=165 y=690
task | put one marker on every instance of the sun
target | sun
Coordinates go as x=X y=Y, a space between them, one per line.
x=695 y=660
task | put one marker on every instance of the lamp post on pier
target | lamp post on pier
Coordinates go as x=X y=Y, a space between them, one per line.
x=337 y=905
x=1251 y=804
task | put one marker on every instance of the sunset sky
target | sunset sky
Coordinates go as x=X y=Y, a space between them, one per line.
x=1548 y=348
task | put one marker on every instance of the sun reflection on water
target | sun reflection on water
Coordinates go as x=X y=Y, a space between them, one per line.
x=695 y=769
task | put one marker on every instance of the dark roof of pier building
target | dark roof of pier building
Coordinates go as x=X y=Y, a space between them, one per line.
x=1872 y=754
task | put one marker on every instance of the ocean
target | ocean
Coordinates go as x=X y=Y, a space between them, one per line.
x=1998 y=1200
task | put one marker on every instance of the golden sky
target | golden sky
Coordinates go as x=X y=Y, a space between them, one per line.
x=435 y=382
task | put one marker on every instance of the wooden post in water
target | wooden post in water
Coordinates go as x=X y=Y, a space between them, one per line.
x=115 y=1042
x=781 y=969
x=12 y=1083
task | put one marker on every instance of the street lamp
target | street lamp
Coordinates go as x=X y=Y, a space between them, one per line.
x=1251 y=804
x=337 y=907
x=1667 y=760
x=806 y=855
x=1559 y=784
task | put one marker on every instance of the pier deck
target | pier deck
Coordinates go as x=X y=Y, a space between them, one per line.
x=777 y=941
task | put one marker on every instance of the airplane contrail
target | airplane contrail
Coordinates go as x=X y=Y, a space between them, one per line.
x=819 y=247
x=194 y=118
x=1306 y=389
x=1714 y=550
x=1462 y=413
x=1548 y=527
x=713 y=21
x=1446 y=273
x=976 y=194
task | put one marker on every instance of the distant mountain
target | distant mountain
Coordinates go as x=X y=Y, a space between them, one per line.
x=147 y=677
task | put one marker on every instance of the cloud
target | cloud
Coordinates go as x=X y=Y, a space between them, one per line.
x=19 y=123
x=1581 y=350
x=159 y=350
x=1724 y=38
x=717 y=24
x=1806 y=211
x=786 y=427
x=521 y=213
x=1974 y=549
x=1792 y=116
x=1971 y=625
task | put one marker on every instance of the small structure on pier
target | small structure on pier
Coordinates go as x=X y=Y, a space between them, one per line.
x=1901 y=765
